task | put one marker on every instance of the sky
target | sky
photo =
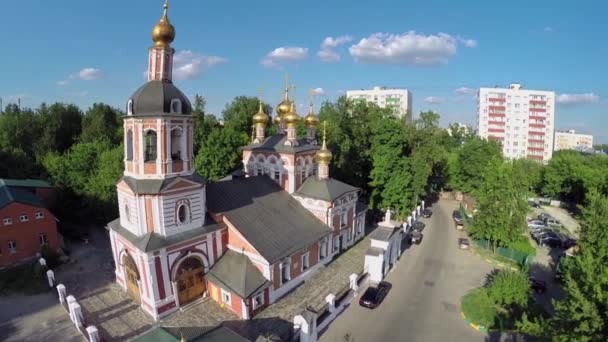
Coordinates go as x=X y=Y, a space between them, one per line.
x=84 y=52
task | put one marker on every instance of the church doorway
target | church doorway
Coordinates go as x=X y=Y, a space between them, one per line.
x=190 y=280
x=131 y=276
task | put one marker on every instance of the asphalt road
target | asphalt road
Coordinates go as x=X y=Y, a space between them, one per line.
x=428 y=282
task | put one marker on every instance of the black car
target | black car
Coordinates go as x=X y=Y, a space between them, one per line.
x=374 y=295
x=537 y=285
x=426 y=213
x=457 y=216
x=418 y=226
x=416 y=237
x=533 y=204
x=568 y=243
x=551 y=242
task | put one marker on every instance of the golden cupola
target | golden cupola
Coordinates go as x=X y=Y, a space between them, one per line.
x=311 y=120
x=285 y=106
x=163 y=33
x=291 y=118
x=324 y=154
x=260 y=118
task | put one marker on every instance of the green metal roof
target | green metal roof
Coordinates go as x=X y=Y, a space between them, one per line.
x=25 y=183
x=236 y=272
x=9 y=195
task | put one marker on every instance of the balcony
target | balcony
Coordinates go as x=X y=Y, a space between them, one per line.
x=538 y=102
x=500 y=108
x=497 y=99
x=536 y=149
x=539 y=133
x=536 y=141
x=493 y=137
x=499 y=123
x=536 y=125
x=497 y=115
x=496 y=130
x=535 y=117
x=538 y=110
x=534 y=157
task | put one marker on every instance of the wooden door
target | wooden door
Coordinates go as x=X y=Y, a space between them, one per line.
x=190 y=281
x=131 y=277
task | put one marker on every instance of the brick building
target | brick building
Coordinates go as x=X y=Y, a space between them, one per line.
x=26 y=223
x=244 y=241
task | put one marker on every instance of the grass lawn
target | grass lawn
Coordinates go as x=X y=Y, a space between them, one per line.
x=28 y=278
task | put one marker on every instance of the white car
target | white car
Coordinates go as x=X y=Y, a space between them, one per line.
x=536 y=225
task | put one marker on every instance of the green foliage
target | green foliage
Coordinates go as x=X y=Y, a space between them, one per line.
x=583 y=314
x=470 y=162
x=101 y=122
x=509 y=288
x=238 y=114
x=51 y=256
x=501 y=216
x=60 y=127
x=221 y=153
x=523 y=245
x=527 y=175
x=479 y=308
x=28 y=278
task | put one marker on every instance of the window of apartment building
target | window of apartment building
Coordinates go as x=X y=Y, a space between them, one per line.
x=44 y=240
x=305 y=261
x=285 y=274
x=7 y=221
x=323 y=249
x=226 y=297
x=12 y=247
x=23 y=218
x=343 y=218
x=258 y=300
x=515 y=143
x=39 y=215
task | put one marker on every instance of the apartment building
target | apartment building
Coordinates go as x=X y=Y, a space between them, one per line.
x=398 y=99
x=570 y=140
x=522 y=120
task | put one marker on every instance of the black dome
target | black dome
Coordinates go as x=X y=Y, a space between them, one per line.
x=155 y=97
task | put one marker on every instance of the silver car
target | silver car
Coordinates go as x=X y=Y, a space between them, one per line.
x=536 y=224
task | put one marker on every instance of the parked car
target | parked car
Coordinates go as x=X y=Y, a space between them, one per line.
x=543 y=216
x=538 y=285
x=457 y=216
x=463 y=243
x=374 y=295
x=418 y=226
x=459 y=226
x=536 y=224
x=427 y=212
x=551 y=222
x=551 y=242
x=544 y=233
x=533 y=204
x=416 y=237
x=569 y=243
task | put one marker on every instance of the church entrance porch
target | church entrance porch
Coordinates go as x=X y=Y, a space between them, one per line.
x=131 y=277
x=190 y=280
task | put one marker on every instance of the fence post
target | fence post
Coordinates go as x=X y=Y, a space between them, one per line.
x=77 y=312
x=50 y=275
x=93 y=333
x=42 y=262
x=331 y=302
x=71 y=300
x=353 y=282
x=61 y=292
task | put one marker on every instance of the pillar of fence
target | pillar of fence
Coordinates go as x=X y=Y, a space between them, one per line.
x=331 y=302
x=422 y=204
x=71 y=300
x=93 y=333
x=61 y=292
x=42 y=262
x=414 y=214
x=306 y=322
x=353 y=282
x=50 y=276
x=418 y=210
x=78 y=319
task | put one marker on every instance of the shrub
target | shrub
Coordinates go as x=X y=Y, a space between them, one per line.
x=509 y=287
x=51 y=256
x=523 y=245
x=27 y=278
x=479 y=308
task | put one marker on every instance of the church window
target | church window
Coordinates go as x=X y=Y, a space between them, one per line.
x=176 y=106
x=285 y=274
x=303 y=175
x=258 y=300
x=343 y=219
x=7 y=221
x=23 y=218
x=127 y=213
x=314 y=171
x=182 y=214
x=260 y=171
x=12 y=247
x=150 y=153
x=44 y=240
x=226 y=297
x=323 y=249
x=277 y=175
x=129 y=145
x=39 y=215
x=336 y=243
x=305 y=261
x=130 y=107
x=176 y=137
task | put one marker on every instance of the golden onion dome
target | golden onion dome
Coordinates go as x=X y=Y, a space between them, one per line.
x=291 y=118
x=163 y=33
x=324 y=154
x=277 y=120
x=311 y=120
x=284 y=107
x=260 y=118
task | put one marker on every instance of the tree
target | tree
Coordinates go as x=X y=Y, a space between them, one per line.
x=510 y=288
x=60 y=128
x=19 y=130
x=470 y=163
x=458 y=135
x=221 y=153
x=583 y=314
x=101 y=122
x=501 y=216
x=202 y=123
x=527 y=175
x=238 y=114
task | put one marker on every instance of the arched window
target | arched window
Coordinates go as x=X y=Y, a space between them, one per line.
x=129 y=144
x=176 y=148
x=183 y=215
x=150 y=152
x=127 y=213
x=130 y=107
x=176 y=106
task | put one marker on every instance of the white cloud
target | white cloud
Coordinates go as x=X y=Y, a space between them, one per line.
x=408 y=48
x=577 y=98
x=548 y=29
x=284 y=54
x=319 y=91
x=331 y=42
x=86 y=74
x=63 y=83
x=328 y=56
x=434 y=99
x=188 y=65
x=83 y=93
x=465 y=91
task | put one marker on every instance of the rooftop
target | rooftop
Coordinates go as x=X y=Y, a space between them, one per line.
x=276 y=143
x=324 y=189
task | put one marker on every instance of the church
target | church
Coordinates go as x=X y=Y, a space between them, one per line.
x=244 y=241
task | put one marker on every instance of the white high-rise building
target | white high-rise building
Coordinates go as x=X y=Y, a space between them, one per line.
x=570 y=140
x=521 y=119
x=398 y=99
